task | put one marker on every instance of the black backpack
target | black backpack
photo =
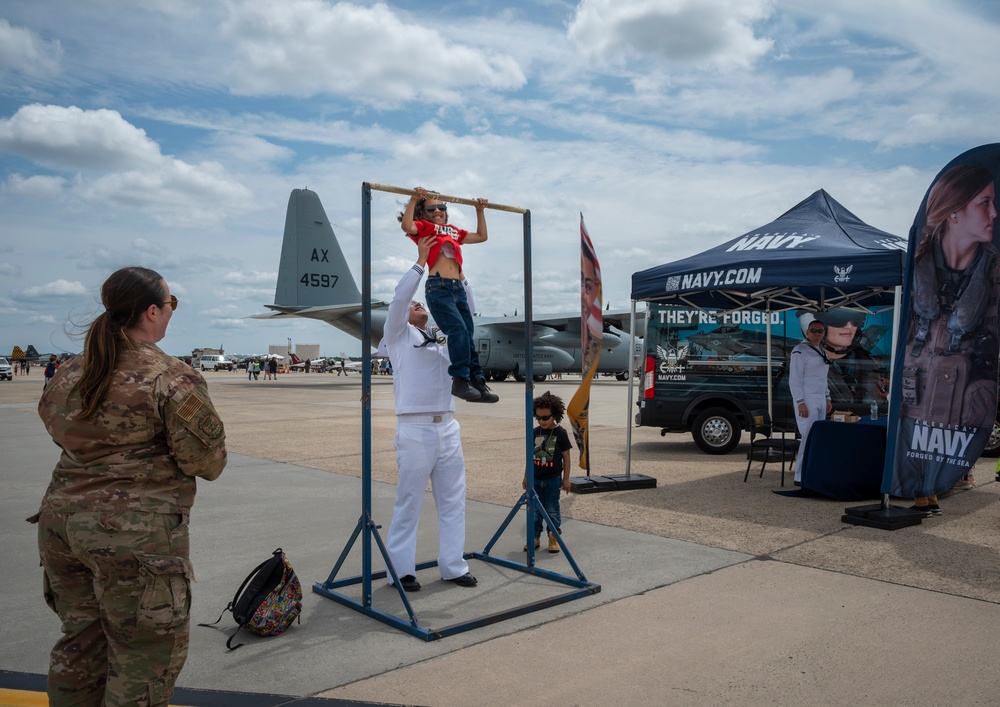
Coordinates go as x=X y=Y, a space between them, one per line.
x=271 y=602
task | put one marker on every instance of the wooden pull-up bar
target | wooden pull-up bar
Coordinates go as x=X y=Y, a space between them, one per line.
x=445 y=197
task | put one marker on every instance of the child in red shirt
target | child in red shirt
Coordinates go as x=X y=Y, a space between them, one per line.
x=445 y=290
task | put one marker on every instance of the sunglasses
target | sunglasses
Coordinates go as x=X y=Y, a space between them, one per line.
x=543 y=418
x=431 y=208
x=817 y=331
x=172 y=302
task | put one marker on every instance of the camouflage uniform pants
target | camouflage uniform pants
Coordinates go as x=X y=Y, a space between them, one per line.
x=120 y=583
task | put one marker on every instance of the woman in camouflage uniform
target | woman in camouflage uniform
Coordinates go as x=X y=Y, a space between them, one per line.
x=135 y=427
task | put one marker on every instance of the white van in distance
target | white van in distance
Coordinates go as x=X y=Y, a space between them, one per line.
x=215 y=362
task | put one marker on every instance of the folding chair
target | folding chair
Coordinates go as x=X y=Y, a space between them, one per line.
x=763 y=439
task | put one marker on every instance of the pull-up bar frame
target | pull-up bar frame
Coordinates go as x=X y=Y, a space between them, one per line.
x=366 y=527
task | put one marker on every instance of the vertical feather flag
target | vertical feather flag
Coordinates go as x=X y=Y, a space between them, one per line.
x=591 y=340
x=944 y=388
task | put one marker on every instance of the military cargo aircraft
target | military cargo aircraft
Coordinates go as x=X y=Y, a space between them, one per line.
x=315 y=281
x=316 y=364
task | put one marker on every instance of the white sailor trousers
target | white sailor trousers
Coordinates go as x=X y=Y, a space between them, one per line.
x=429 y=451
x=817 y=411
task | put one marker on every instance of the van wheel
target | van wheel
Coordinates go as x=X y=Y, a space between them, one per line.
x=993 y=443
x=716 y=431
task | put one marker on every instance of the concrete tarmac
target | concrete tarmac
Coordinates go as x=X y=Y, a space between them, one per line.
x=713 y=591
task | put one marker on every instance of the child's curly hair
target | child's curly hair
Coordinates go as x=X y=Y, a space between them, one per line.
x=553 y=403
x=418 y=212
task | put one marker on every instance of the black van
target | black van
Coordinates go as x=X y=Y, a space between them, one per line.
x=703 y=371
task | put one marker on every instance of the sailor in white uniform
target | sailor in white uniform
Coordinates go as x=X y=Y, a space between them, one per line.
x=807 y=379
x=428 y=443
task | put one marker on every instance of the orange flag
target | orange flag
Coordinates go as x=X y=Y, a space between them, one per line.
x=591 y=339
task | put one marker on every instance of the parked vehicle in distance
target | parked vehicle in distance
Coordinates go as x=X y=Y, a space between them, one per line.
x=6 y=371
x=215 y=362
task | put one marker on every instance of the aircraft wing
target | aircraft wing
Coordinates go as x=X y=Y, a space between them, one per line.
x=560 y=321
x=327 y=313
x=561 y=329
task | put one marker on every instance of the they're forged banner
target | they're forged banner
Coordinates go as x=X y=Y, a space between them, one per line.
x=944 y=388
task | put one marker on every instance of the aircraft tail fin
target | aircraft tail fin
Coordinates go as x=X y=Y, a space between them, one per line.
x=295 y=359
x=312 y=270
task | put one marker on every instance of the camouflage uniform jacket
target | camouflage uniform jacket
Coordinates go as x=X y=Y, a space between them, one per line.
x=143 y=447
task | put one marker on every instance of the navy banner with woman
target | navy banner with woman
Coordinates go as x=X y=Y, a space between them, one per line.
x=945 y=386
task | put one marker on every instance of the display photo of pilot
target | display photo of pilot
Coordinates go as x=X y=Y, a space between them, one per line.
x=951 y=334
x=857 y=373
x=952 y=339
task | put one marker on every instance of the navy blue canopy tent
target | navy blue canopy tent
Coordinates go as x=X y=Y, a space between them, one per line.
x=816 y=256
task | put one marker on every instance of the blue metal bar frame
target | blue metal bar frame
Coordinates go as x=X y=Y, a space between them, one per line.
x=366 y=527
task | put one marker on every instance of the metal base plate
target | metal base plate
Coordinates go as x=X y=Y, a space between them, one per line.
x=874 y=516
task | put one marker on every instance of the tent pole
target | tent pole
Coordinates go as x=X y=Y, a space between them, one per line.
x=898 y=291
x=628 y=404
x=770 y=378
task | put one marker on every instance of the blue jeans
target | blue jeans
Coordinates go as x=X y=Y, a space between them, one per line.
x=548 y=493
x=450 y=309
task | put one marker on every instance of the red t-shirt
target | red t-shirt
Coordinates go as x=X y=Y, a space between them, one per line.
x=444 y=234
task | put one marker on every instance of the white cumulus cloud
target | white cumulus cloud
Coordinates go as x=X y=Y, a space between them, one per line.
x=23 y=50
x=70 y=137
x=308 y=47
x=37 y=186
x=700 y=33
x=56 y=288
x=122 y=165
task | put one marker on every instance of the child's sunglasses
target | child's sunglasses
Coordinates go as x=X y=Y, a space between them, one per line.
x=431 y=208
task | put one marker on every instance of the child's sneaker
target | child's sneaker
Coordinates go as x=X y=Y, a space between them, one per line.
x=461 y=388
x=934 y=509
x=485 y=394
x=553 y=543
x=537 y=543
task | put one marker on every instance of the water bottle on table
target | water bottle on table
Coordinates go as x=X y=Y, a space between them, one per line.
x=874 y=410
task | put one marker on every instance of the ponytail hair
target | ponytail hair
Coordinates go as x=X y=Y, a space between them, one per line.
x=126 y=295
x=951 y=192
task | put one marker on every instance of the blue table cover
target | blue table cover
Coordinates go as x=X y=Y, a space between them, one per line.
x=843 y=460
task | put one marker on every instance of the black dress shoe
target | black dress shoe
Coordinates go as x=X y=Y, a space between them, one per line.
x=409 y=583
x=466 y=580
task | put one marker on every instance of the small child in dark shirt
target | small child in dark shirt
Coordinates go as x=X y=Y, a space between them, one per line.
x=552 y=464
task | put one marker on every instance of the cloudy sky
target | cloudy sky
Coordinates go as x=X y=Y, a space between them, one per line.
x=169 y=133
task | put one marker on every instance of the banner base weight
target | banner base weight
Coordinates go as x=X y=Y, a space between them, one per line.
x=591 y=484
x=632 y=481
x=875 y=516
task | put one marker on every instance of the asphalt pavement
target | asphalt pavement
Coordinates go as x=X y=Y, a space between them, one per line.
x=712 y=591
